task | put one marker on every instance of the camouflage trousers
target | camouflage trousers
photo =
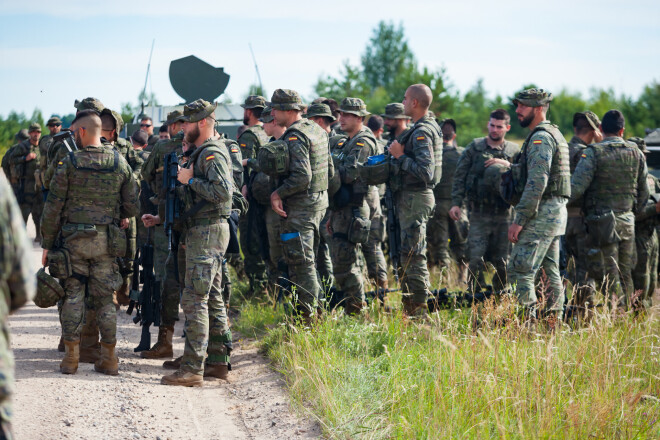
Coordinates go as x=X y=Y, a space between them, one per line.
x=577 y=248
x=88 y=251
x=414 y=208
x=300 y=240
x=165 y=271
x=488 y=241
x=614 y=262
x=645 y=274
x=538 y=249
x=255 y=266
x=6 y=384
x=274 y=246
x=206 y=317
x=33 y=204
x=372 y=249
x=345 y=254
x=444 y=235
x=324 y=254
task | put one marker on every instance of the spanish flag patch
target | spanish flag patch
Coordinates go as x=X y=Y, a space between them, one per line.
x=420 y=138
x=538 y=141
x=211 y=157
x=341 y=143
x=360 y=144
x=234 y=150
x=243 y=145
x=293 y=138
x=584 y=155
x=60 y=163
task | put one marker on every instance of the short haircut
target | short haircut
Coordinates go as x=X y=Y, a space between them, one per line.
x=334 y=106
x=613 y=122
x=375 y=123
x=107 y=120
x=501 y=115
x=146 y=118
x=140 y=137
x=257 y=111
x=581 y=125
x=163 y=128
x=91 y=119
x=450 y=122
x=422 y=93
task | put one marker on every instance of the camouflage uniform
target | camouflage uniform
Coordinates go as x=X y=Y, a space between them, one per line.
x=29 y=198
x=251 y=244
x=489 y=215
x=206 y=240
x=17 y=285
x=612 y=177
x=442 y=232
x=81 y=205
x=645 y=273
x=541 y=210
x=416 y=173
x=304 y=195
x=346 y=156
x=372 y=249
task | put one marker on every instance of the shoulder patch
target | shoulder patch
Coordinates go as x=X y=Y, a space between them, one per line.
x=210 y=157
x=421 y=138
x=293 y=138
x=243 y=145
x=234 y=149
x=360 y=144
x=537 y=141
x=340 y=143
x=584 y=155
x=60 y=163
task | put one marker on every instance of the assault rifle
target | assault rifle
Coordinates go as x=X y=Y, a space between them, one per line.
x=393 y=231
x=148 y=303
x=172 y=207
x=67 y=139
x=442 y=299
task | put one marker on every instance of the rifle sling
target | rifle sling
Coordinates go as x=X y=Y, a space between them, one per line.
x=192 y=211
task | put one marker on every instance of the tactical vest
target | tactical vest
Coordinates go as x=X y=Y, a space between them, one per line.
x=207 y=210
x=236 y=161
x=162 y=149
x=614 y=186
x=450 y=156
x=559 y=183
x=260 y=134
x=94 y=187
x=432 y=130
x=478 y=190
x=575 y=150
x=359 y=187
x=317 y=139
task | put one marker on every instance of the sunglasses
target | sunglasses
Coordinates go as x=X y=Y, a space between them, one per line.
x=145 y=125
x=55 y=125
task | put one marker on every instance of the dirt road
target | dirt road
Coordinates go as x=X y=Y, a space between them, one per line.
x=133 y=405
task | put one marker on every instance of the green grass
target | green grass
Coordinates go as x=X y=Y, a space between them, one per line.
x=382 y=376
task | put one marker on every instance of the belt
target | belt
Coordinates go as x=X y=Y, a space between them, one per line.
x=87 y=227
x=206 y=221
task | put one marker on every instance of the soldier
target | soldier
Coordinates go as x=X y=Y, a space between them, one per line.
x=206 y=192
x=540 y=215
x=489 y=215
x=418 y=168
x=395 y=120
x=17 y=285
x=54 y=125
x=165 y=267
x=301 y=196
x=586 y=131
x=147 y=124
x=353 y=210
x=443 y=232
x=20 y=136
x=24 y=163
x=612 y=177
x=375 y=124
x=92 y=195
x=645 y=274
x=163 y=133
x=250 y=141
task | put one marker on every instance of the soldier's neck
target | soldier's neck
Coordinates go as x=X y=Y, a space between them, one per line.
x=354 y=132
x=494 y=144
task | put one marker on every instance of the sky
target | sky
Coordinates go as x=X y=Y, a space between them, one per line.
x=52 y=53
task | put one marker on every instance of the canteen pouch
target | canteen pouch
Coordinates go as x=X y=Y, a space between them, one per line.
x=59 y=264
x=293 y=249
x=116 y=241
x=358 y=230
x=602 y=228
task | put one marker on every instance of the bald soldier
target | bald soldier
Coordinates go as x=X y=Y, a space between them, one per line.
x=417 y=169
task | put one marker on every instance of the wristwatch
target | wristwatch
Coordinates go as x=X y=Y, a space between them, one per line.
x=191 y=181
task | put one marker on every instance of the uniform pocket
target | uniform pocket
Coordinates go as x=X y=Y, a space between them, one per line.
x=524 y=255
x=116 y=241
x=293 y=249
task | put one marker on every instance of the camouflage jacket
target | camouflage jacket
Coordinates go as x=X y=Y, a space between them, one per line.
x=421 y=162
x=44 y=145
x=152 y=170
x=349 y=152
x=576 y=147
x=612 y=175
x=646 y=220
x=450 y=157
x=131 y=155
x=22 y=169
x=6 y=166
x=93 y=185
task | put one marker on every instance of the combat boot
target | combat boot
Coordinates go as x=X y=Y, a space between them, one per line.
x=60 y=346
x=354 y=307
x=219 y=371
x=413 y=309
x=69 y=364
x=183 y=379
x=162 y=349
x=173 y=365
x=108 y=362
x=89 y=339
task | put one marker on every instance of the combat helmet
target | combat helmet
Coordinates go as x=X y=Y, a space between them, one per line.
x=49 y=290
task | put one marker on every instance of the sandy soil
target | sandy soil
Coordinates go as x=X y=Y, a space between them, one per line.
x=133 y=405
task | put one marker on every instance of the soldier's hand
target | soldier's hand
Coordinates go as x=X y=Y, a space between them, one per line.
x=514 y=231
x=184 y=175
x=244 y=191
x=31 y=156
x=494 y=160
x=123 y=223
x=455 y=213
x=150 y=220
x=598 y=136
x=396 y=149
x=277 y=205
x=44 y=257
x=244 y=162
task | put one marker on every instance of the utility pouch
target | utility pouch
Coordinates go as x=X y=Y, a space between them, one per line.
x=116 y=241
x=602 y=228
x=358 y=230
x=59 y=263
